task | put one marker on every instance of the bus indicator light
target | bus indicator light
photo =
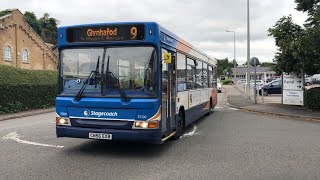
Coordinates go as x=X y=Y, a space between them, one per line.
x=153 y=124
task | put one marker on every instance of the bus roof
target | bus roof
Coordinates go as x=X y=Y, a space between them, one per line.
x=168 y=38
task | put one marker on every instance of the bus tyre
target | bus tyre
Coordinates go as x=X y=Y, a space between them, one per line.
x=211 y=108
x=180 y=126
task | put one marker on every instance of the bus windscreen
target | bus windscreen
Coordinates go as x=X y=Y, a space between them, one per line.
x=106 y=33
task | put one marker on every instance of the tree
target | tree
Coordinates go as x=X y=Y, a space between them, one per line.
x=5 y=12
x=49 y=28
x=296 y=47
x=267 y=64
x=46 y=26
x=228 y=71
x=32 y=20
x=312 y=7
x=299 y=47
x=224 y=66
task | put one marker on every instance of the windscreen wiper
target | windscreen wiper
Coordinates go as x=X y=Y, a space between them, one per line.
x=86 y=82
x=102 y=71
x=110 y=78
x=96 y=73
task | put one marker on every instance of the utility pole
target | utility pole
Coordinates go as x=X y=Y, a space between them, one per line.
x=248 y=48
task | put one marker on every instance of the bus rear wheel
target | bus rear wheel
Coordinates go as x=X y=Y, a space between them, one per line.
x=180 y=126
x=211 y=108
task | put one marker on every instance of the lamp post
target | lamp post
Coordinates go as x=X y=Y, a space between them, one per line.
x=234 y=53
x=248 y=48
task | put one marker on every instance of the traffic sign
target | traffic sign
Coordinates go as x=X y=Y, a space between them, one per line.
x=292 y=93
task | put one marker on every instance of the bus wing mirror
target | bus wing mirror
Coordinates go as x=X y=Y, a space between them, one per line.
x=167 y=58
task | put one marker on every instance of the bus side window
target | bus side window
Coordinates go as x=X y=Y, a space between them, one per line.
x=181 y=72
x=210 y=76
x=205 y=75
x=191 y=74
x=199 y=75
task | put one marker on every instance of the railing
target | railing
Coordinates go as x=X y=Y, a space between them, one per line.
x=243 y=89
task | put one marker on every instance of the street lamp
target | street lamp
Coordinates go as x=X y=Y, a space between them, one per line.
x=234 y=53
x=248 y=48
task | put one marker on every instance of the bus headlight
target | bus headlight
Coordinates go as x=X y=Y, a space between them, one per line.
x=63 y=121
x=146 y=125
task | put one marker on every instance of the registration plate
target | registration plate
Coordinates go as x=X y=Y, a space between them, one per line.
x=100 y=136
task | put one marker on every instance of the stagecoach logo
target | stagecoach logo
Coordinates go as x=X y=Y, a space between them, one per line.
x=99 y=113
x=86 y=113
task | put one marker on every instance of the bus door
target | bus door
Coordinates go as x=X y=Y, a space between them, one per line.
x=168 y=93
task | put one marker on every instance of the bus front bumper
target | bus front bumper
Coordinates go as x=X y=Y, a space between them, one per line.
x=136 y=135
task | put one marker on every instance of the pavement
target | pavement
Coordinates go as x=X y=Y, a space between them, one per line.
x=26 y=113
x=228 y=144
x=236 y=99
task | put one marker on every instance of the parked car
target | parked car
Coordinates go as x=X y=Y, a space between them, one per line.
x=219 y=88
x=241 y=81
x=258 y=82
x=316 y=78
x=273 y=87
x=309 y=81
x=269 y=80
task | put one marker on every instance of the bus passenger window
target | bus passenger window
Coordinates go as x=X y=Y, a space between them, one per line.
x=181 y=72
x=191 y=74
x=210 y=75
x=199 y=74
x=205 y=75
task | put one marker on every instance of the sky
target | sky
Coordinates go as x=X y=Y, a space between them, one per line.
x=203 y=23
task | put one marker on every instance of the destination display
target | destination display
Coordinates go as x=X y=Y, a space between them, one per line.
x=106 y=33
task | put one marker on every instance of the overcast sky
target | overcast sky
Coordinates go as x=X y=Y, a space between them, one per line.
x=201 y=22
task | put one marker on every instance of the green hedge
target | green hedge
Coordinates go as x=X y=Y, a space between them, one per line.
x=227 y=81
x=26 y=89
x=312 y=98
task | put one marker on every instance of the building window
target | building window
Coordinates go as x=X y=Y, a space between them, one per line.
x=25 y=56
x=7 y=53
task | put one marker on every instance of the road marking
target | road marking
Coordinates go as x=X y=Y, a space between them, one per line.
x=234 y=109
x=217 y=107
x=16 y=137
x=189 y=134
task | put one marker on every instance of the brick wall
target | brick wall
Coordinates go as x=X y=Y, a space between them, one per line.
x=16 y=33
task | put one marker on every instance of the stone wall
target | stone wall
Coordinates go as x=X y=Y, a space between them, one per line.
x=16 y=33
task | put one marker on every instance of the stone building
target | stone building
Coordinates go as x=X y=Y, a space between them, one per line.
x=22 y=47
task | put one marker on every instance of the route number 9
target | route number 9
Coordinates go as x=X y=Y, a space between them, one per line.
x=134 y=32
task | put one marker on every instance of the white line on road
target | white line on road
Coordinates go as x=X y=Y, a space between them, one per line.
x=189 y=134
x=16 y=137
x=235 y=109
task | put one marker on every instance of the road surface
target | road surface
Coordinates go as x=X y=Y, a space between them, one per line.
x=229 y=144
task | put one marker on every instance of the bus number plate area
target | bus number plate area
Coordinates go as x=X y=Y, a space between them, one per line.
x=100 y=136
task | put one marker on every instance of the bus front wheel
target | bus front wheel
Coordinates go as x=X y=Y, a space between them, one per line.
x=180 y=126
